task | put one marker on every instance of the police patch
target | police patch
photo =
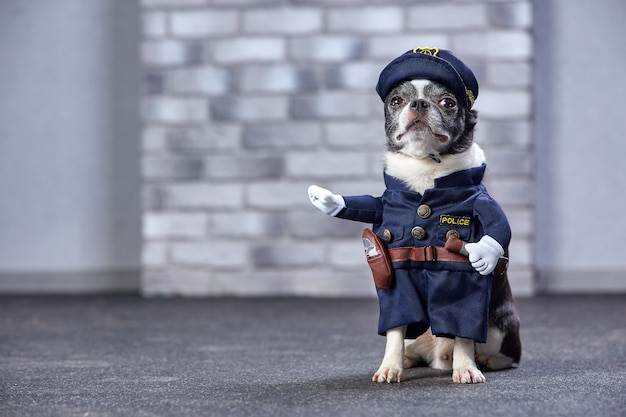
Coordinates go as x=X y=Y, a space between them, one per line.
x=460 y=221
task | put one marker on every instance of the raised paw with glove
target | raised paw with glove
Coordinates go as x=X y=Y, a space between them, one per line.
x=484 y=254
x=325 y=200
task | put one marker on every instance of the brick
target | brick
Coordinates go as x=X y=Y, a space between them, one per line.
x=277 y=79
x=348 y=254
x=178 y=281
x=373 y=187
x=261 y=283
x=327 y=165
x=283 y=20
x=330 y=105
x=522 y=252
x=198 y=195
x=282 y=255
x=326 y=2
x=504 y=132
x=255 y=3
x=522 y=281
x=152 y=197
x=517 y=15
x=174 y=225
x=245 y=167
x=153 y=3
x=521 y=221
x=162 y=167
x=511 y=191
x=219 y=254
x=495 y=44
x=447 y=17
x=388 y=47
x=365 y=19
x=287 y=136
x=250 y=109
x=153 y=139
x=509 y=74
x=204 y=80
x=154 y=254
x=196 y=53
x=153 y=82
x=248 y=225
x=202 y=23
x=356 y=135
x=153 y=23
x=327 y=48
x=504 y=103
x=174 y=110
x=354 y=76
x=313 y=224
x=168 y=52
x=278 y=195
x=192 y=140
x=155 y=282
x=376 y=164
x=329 y=283
x=502 y=162
x=249 y=49
x=479 y=68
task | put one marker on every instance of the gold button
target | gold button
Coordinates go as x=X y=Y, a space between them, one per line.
x=387 y=236
x=418 y=232
x=424 y=211
x=452 y=233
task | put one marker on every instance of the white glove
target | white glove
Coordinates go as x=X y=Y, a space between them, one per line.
x=326 y=201
x=484 y=254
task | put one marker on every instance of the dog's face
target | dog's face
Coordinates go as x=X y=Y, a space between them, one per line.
x=424 y=119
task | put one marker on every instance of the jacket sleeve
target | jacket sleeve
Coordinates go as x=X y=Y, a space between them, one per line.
x=493 y=220
x=362 y=208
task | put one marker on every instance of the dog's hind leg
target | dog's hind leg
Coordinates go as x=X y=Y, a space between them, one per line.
x=390 y=369
x=488 y=355
x=420 y=351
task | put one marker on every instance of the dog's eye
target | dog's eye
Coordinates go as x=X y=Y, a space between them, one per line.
x=396 y=101
x=448 y=103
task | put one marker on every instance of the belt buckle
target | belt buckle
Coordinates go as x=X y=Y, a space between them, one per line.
x=433 y=254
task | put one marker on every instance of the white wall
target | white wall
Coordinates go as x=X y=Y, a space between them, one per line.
x=581 y=144
x=69 y=176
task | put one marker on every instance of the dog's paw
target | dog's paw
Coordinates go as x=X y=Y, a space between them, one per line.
x=388 y=373
x=469 y=375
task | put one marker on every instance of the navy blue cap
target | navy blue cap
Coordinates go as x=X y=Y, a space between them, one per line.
x=431 y=64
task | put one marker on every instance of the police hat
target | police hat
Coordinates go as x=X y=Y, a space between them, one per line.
x=432 y=64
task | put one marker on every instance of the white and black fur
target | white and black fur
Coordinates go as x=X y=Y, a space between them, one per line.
x=430 y=135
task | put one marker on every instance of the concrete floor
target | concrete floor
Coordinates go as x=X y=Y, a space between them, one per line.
x=127 y=356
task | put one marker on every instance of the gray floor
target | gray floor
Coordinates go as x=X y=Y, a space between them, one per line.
x=127 y=356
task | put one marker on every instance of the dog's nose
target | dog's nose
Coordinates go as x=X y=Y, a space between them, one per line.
x=419 y=104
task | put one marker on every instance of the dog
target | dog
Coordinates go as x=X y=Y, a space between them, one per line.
x=438 y=245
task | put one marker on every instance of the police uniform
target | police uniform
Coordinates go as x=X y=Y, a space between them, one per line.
x=450 y=297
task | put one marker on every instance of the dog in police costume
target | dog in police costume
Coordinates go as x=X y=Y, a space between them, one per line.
x=440 y=237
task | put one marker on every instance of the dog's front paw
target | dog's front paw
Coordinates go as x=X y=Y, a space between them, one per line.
x=388 y=373
x=469 y=375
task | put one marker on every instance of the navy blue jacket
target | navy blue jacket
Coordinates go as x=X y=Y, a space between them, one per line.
x=458 y=202
x=451 y=297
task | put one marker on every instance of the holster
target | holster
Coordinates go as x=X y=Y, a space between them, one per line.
x=378 y=259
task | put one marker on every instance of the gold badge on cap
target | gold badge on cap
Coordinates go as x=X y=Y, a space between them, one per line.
x=426 y=50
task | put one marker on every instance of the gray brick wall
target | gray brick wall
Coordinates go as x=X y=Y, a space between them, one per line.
x=247 y=102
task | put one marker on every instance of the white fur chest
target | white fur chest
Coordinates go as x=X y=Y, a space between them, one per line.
x=419 y=174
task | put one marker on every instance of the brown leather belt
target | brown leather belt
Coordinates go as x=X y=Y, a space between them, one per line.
x=436 y=254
